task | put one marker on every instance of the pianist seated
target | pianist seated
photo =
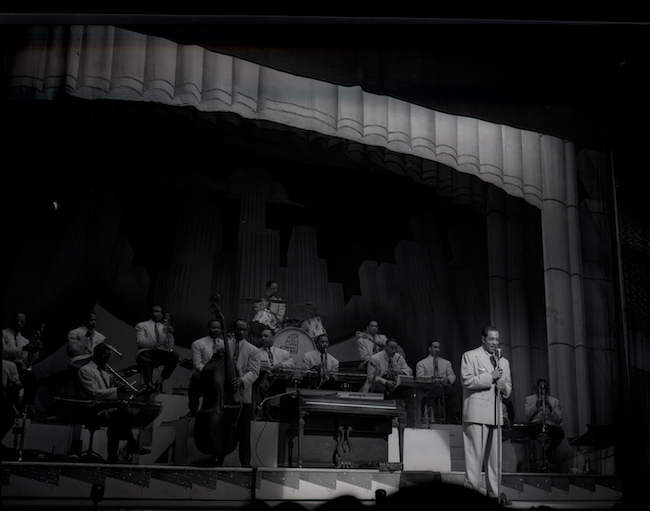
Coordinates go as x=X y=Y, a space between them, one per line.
x=94 y=383
x=385 y=368
x=440 y=370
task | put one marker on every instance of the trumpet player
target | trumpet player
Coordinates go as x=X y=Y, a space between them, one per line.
x=155 y=341
x=544 y=410
x=95 y=383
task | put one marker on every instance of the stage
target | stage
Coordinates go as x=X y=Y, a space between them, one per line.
x=74 y=485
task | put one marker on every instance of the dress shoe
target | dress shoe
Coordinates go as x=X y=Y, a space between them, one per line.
x=142 y=451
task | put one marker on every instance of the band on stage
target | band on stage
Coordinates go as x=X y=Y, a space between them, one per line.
x=237 y=371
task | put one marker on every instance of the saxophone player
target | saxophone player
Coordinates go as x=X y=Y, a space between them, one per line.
x=17 y=349
x=155 y=347
x=544 y=410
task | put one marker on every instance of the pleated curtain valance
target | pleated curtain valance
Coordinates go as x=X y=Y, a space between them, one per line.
x=106 y=62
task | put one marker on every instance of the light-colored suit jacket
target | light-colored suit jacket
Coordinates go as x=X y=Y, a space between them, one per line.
x=202 y=351
x=95 y=383
x=145 y=336
x=281 y=358
x=479 y=398
x=366 y=344
x=80 y=346
x=553 y=417
x=424 y=368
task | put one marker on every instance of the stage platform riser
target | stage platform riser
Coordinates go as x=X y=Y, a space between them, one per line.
x=132 y=486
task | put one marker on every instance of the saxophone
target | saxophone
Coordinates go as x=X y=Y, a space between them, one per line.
x=168 y=343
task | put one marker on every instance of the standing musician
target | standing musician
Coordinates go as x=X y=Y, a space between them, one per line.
x=544 y=410
x=485 y=377
x=94 y=382
x=369 y=342
x=82 y=341
x=155 y=341
x=385 y=368
x=272 y=302
x=434 y=366
x=23 y=353
x=272 y=360
x=246 y=359
x=321 y=362
x=202 y=351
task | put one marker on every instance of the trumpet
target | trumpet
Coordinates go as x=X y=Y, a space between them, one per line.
x=120 y=380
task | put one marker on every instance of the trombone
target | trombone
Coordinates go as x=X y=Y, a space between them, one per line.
x=120 y=380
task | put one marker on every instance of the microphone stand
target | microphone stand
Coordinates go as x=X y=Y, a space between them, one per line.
x=497 y=422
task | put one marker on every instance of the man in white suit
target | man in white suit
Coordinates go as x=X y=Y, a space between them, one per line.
x=485 y=378
x=273 y=360
x=95 y=383
x=155 y=341
x=434 y=366
x=202 y=351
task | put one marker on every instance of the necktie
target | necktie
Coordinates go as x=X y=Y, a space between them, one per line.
x=494 y=361
x=436 y=373
x=155 y=329
x=102 y=374
x=323 y=359
x=236 y=355
x=268 y=350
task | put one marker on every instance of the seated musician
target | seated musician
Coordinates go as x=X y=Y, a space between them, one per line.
x=155 y=340
x=202 y=351
x=23 y=353
x=544 y=410
x=436 y=367
x=384 y=369
x=272 y=361
x=324 y=365
x=94 y=383
x=369 y=342
x=82 y=341
x=269 y=302
x=12 y=393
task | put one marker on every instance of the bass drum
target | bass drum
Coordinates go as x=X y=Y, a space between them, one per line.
x=296 y=341
x=313 y=326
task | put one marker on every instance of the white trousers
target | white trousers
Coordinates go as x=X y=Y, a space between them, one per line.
x=482 y=445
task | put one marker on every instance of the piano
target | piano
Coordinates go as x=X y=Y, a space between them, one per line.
x=334 y=428
x=75 y=409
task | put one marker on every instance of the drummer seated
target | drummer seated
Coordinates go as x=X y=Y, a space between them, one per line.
x=94 y=383
x=272 y=303
x=324 y=365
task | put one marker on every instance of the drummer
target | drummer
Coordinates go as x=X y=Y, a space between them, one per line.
x=272 y=302
x=440 y=369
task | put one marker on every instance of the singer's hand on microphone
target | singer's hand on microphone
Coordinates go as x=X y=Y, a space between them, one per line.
x=497 y=373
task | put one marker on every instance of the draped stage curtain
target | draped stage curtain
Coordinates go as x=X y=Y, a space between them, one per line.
x=105 y=62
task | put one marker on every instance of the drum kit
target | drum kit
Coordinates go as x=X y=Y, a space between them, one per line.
x=297 y=336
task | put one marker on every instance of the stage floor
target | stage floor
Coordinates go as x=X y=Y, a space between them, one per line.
x=72 y=485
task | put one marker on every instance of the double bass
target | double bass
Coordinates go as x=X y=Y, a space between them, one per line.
x=215 y=428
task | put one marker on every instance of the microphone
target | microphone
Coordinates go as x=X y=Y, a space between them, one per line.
x=497 y=352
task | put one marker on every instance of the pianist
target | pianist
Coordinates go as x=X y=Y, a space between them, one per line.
x=94 y=383
x=440 y=369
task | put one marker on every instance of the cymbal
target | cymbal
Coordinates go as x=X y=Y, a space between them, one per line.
x=311 y=308
x=249 y=300
x=278 y=300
